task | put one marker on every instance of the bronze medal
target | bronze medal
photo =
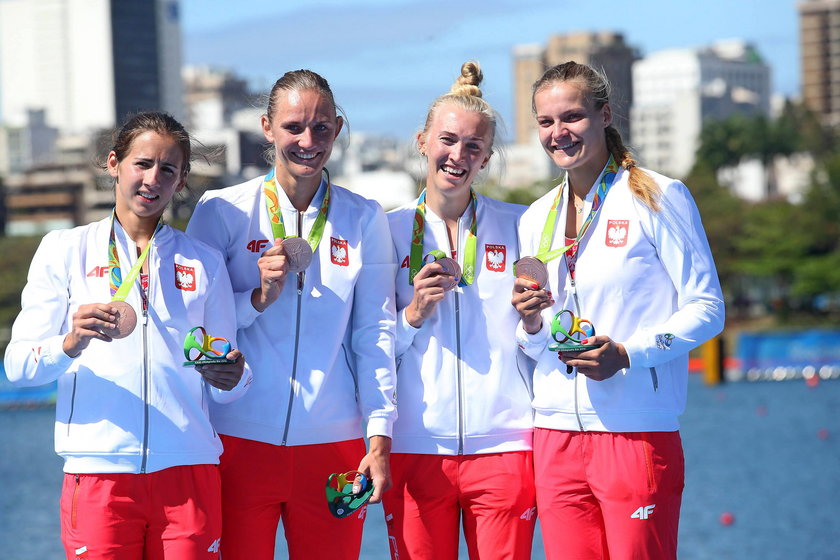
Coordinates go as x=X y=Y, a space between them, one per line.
x=298 y=252
x=126 y=320
x=533 y=269
x=452 y=268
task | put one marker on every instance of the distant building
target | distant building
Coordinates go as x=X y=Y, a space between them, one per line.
x=819 y=41
x=33 y=143
x=603 y=50
x=88 y=63
x=676 y=91
x=212 y=96
x=63 y=194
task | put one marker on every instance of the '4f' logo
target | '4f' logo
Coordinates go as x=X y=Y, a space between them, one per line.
x=643 y=512
x=256 y=246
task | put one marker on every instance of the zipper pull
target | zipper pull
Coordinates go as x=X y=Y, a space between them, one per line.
x=300 y=282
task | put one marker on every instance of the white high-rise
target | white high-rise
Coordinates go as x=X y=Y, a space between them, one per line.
x=676 y=91
x=87 y=63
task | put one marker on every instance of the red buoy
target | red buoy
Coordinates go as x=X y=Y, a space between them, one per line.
x=727 y=518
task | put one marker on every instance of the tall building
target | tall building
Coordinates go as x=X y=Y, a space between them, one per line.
x=676 y=91
x=87 y=63
x=604 y=50
x=819 y=36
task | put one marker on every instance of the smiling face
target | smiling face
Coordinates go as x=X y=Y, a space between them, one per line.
x=571 y=129
x=457 y=146
x=303 y=128
x=151 y=172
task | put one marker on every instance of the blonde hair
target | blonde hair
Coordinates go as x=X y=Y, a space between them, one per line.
x=596 y=88
x=466 y=94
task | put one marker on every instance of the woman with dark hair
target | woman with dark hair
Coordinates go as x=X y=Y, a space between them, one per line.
x=131 y=419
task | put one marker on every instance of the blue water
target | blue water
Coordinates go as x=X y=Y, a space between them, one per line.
x=768 y=453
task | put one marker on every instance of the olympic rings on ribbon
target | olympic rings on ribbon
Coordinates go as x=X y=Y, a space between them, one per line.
x=576 y=326
x=195 y=348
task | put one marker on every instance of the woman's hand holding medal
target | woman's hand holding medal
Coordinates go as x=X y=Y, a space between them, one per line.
x=430 y=286
x=529 y=299
x=91 y=321
x=274 y=269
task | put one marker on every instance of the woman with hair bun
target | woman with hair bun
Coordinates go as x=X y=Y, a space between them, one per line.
x=625 y=249
x=312 y=270
x=462 y=442
x=105 y=311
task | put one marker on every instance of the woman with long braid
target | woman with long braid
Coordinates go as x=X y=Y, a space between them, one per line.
x=637 y=288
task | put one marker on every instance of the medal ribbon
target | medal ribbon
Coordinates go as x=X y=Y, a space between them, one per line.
x=272 y=203
x=419 y=230
x=605 y=183
x=120 y=288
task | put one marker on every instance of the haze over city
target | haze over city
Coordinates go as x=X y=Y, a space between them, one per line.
x=387 y=60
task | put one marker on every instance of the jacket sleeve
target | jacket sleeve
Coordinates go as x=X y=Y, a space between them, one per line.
x=35 y=355
x=532 y=344
x=220 y=317
x=677 y=233
x=373 y=329
x=208 y=225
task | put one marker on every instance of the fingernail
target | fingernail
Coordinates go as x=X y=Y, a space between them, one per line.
x=535 y=286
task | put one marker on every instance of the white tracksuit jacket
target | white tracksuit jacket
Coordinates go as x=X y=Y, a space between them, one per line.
x=323 y=353
x=463 y=387
x=645 y=279
x=129 y=405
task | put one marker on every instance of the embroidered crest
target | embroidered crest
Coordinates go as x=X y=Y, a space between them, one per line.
x=495 y=257
x=338 y=251
x=663 y=341
x=184 y=277
x=617 y=233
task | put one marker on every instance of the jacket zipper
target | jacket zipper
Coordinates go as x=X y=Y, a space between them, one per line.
x=145 y=447
x=577 y=311
x=73 y=504
x=293 y=380
x=459 y=379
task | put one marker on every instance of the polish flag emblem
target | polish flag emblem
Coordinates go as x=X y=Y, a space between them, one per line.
x=495 y=257
x=617 y=233
x=338 y=251
x=184 y=277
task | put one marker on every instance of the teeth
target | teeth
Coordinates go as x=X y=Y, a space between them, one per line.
x=302 y=155
x=453 y=171
x=148 y=196
x=565 y=146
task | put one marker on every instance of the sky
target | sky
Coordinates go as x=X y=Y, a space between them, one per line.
x=387 y=60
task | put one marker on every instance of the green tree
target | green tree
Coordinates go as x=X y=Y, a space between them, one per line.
x=722 y=214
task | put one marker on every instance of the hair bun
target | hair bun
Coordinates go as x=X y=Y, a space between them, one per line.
x=467 y=82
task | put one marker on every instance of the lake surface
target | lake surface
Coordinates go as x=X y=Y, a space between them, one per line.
x=767 y=453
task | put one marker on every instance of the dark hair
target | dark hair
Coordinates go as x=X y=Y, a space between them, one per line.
x=152 y=121
x=596 y=88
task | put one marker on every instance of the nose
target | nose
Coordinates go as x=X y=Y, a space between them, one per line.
x=558 y=130
x=457 y=152
x=151 y=175
x=306 y=139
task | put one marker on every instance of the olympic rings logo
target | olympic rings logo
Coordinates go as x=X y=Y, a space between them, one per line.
x=566 y=326
x=197 y=345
